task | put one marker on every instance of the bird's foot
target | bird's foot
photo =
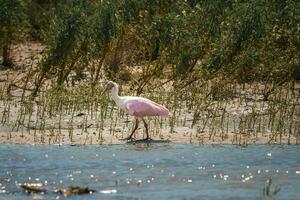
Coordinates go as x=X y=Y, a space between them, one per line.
x=127 y=139
x=145 y=139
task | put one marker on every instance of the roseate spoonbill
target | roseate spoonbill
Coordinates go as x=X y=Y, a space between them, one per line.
x=138 y=107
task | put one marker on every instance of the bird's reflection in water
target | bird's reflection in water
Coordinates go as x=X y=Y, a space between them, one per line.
x=146 y=145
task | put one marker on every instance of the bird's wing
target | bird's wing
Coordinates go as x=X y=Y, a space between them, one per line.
x=141 y=107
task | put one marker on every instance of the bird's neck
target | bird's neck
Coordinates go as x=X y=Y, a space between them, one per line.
x=114 y=94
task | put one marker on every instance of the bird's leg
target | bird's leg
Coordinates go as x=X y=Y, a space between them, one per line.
x=147 y=133
x=134 y=129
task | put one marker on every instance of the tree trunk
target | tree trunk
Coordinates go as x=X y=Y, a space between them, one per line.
x=6 y=56
x=97 y=72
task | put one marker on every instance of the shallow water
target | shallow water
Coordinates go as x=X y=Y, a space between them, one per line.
x=153 y=171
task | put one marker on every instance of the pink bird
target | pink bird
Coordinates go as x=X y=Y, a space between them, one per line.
x=138 y=107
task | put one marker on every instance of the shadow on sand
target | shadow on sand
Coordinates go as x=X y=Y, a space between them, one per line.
x=143 y=141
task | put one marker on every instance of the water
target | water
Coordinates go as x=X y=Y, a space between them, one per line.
x=156 y=171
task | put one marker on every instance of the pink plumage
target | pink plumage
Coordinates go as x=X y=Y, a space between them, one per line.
x=138 y=107
x=141 y=107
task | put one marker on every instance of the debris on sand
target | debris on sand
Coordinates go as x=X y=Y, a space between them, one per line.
x=75 y=191
x=33 y=188
x=38 y=188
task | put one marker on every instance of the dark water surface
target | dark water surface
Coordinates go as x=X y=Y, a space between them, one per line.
x=155 y=171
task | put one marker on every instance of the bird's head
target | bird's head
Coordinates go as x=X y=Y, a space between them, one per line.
x=110 y=85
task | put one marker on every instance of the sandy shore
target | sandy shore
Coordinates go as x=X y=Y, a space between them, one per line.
x=184 y=135
x=19 y=125
x=84 y=128
x=244 y=119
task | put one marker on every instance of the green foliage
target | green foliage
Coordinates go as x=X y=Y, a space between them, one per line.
x=12 y=20
x=39 y=16
x=12 y=26
x=244 y=40
x=81 y=33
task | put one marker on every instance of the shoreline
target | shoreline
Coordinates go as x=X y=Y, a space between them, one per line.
x=82 y=139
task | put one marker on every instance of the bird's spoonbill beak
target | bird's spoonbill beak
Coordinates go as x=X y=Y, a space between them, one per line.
x=108 y=87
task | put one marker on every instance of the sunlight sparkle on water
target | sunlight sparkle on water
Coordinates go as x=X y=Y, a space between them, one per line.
x=203 y=168
x=108 y=191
